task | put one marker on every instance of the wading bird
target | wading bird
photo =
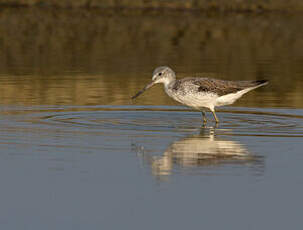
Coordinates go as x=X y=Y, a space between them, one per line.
x=201 y=93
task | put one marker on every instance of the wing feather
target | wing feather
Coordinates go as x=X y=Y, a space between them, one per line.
x=216 y=86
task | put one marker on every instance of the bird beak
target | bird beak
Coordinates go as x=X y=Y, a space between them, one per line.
x=142 y=91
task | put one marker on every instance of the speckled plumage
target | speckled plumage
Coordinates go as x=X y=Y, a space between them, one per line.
x=201 y=93
x=216 y=86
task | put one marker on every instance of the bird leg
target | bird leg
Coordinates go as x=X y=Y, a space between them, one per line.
x=215 y=116
x=204 y=117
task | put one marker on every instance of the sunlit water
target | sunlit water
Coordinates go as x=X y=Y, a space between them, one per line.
x=77 y=153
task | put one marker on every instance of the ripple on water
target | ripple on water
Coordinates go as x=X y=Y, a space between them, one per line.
x=169 y=139
x=234 y=121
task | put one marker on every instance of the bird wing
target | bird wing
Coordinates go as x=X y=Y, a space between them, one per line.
x=219 y=87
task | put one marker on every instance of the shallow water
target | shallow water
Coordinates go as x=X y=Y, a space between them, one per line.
x=77 y=153
x=89 y=166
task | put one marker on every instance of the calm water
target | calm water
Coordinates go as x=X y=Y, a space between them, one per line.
x=76 y=153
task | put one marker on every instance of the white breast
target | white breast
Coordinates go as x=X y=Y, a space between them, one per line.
x=195 y=100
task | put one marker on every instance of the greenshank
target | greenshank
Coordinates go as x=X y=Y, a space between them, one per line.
x=201 y=93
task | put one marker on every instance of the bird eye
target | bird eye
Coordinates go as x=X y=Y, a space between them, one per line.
x=160 y=74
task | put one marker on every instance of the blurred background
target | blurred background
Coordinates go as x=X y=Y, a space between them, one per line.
x=101 y=52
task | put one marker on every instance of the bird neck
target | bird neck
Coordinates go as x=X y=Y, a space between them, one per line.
x=168 y=81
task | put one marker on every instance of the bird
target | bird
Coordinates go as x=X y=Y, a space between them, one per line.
x=201 y=94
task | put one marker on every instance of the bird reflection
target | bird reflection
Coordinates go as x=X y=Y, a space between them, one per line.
x=202 y=150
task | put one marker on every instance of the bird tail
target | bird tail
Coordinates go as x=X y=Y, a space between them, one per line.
x=260 y=83
x=247 y=86
x=255 y=85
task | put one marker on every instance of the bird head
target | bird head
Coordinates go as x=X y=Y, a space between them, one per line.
x=162 y=74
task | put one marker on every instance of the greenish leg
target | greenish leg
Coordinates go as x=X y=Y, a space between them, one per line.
x=204 y=117
x=215 y=116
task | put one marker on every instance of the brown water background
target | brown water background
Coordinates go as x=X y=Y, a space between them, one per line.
x=103 y=57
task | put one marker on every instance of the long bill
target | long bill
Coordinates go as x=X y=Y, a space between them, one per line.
x=142 y=91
